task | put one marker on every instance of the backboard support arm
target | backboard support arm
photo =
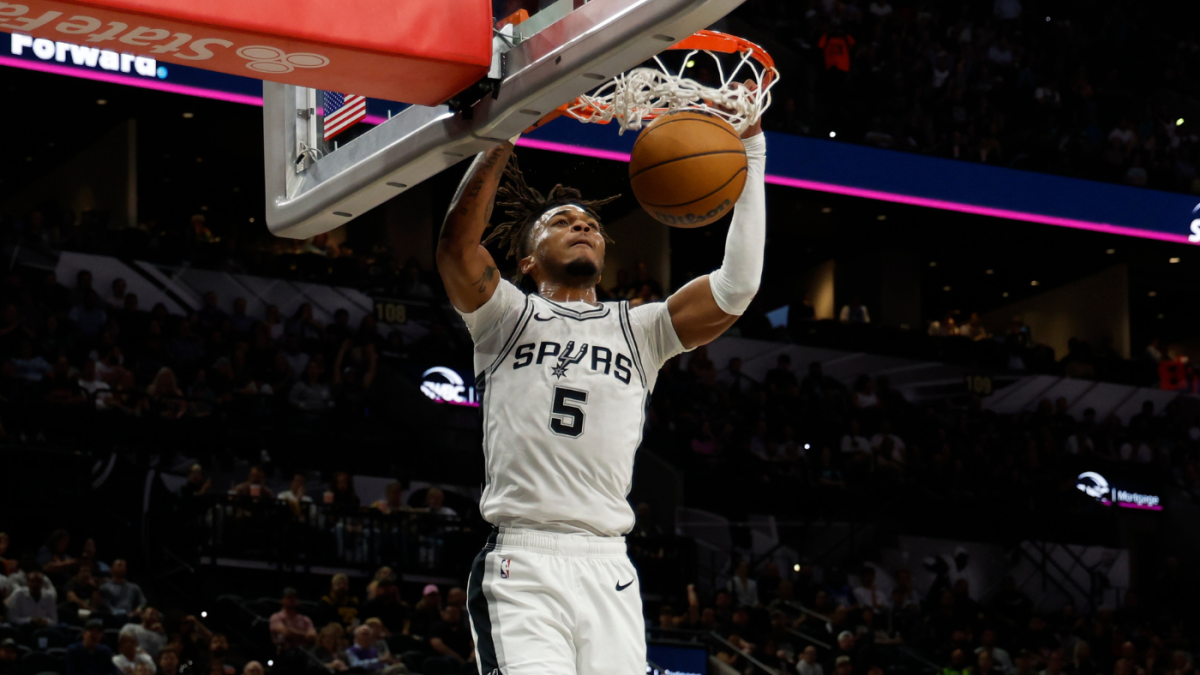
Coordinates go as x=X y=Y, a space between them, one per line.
x=309 y=193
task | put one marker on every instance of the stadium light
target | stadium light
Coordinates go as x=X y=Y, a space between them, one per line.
x=101 y=101
x=796 y=567
x=1173 y=260
x=1033 y=283
x=990 y=272
x=1111 y=251
x=188 y=115
x=203 y=615
x=833 y=134
x=1179 y=122
x=1153 y=294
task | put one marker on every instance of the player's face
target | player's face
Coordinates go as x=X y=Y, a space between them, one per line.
x=567 y=244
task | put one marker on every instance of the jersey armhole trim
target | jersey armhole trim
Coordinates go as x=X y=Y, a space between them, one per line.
x=631 y=340
x=512 y=338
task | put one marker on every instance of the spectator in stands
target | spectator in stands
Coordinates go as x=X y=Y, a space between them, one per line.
x=780 y=380
x=274 y=323
x=846 y=648
x=864 y=394
x=867 y=594
x=411 y=285
x=96 y=389
x=90 y=656
x=241 y=324
x=168 y=662
x=166 y=398
x=807 y=663
x=364 y=656
x=14 y=327
x=296 y=498
x=854 y=444
x=254 y=486
x=855 y=312
x=310 y=394
x=736 y=382
x=379 y=636
x=117 y=294
x=329 y=648
x=89 y=315
x=974 y=329
x=80 y=590
x=83 y=286
x=29 y=366
x=7 y=565
x=304 y=326
x=150 y=634
x=435 y=502
x=387 y=607
x=129 y=659
x=217 y=658
x=289 y=628
x=30 y=605
x=343 y=491
x=885 y=433
x=380 y=574
x=1001 y=661
x=254 y=668
x=339 y=605
x=452 y=641
x=55 y=561
x=210 y=315
x=743 y=588
x=8 y=657
x=393 y=502
x=428 y=610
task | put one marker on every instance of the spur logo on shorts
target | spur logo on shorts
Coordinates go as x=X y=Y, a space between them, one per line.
x=505 y=564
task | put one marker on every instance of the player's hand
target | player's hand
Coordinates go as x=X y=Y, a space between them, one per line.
x=756 y=128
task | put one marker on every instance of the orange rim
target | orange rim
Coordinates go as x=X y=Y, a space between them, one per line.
x=705 y=40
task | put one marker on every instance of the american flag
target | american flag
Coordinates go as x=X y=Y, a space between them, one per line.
x=342 y=111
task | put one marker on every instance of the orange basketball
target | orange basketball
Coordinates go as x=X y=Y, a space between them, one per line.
x=688 y=168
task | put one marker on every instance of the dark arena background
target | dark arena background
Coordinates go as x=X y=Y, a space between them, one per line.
x=958 y=432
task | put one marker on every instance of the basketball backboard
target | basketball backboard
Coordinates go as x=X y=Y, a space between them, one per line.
x=556 y=55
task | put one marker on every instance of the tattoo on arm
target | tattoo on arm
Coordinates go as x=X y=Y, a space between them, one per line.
x=475 y=198
x=488 y=273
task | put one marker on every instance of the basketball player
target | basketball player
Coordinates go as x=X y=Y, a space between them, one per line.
x=564 y=381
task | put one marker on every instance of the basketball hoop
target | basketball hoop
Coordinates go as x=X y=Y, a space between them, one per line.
x=643 y=94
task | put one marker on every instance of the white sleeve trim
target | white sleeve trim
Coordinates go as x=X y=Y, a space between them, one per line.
x=736 y=282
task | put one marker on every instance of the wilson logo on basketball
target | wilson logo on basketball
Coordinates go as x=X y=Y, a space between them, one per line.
x=693 y=219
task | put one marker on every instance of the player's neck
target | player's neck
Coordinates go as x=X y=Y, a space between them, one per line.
x=560 y=292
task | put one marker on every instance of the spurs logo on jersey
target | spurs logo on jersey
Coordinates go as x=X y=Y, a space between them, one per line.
x=564 y=388
x=604 y=359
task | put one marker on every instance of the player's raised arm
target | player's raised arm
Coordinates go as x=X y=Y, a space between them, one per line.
x=707 y=306
x=467 y=269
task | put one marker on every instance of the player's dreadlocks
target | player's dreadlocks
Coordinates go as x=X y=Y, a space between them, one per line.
x=524 y=205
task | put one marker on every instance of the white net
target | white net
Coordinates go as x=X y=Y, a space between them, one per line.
x=630 y=99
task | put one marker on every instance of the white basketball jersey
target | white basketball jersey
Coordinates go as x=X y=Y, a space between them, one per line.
x=564 y=388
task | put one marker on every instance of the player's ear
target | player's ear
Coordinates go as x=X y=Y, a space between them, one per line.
x=525 y=264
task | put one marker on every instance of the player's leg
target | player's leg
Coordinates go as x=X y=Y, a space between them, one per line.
x=520 y=619
x=610 y=637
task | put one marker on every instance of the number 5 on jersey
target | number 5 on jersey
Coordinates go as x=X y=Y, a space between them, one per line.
x=566 y=416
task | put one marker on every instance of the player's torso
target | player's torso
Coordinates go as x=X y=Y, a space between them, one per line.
x=563 y=406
